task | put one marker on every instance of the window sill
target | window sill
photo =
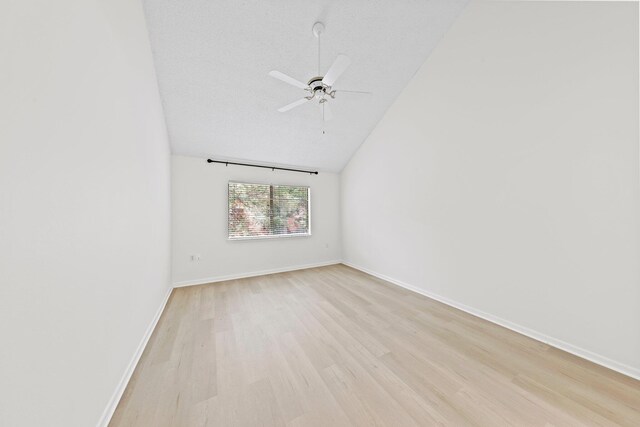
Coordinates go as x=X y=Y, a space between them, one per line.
x=277 y=236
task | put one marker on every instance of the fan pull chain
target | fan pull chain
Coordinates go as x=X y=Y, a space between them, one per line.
x=323 y=120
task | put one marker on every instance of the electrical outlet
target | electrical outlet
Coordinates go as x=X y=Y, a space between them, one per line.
x=196 y=257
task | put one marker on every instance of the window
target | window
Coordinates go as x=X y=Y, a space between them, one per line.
x=261 y=210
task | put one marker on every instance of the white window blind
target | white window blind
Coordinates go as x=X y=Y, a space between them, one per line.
x=261 y=210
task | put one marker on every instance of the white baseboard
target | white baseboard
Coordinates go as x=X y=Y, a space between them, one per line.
x=251 y=274
x=117 y=394
x=554 y=342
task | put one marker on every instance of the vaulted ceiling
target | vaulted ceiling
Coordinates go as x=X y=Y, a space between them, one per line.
x=213 y=58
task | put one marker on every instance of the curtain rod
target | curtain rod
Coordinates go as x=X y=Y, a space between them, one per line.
x=262 y=166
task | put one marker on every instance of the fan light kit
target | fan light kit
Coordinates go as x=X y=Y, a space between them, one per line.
x=320 y=88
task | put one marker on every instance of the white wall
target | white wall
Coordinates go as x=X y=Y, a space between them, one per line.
x=199 y=223
x=84 y=205
x=505 y=177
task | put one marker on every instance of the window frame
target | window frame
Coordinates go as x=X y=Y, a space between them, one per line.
x=270 y=236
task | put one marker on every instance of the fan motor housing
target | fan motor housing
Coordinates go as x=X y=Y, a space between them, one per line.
x=315 y=84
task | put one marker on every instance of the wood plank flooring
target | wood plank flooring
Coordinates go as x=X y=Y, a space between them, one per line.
x=332 y=346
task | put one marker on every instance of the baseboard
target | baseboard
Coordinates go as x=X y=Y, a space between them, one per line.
x=554 y=342
x=117 y=394
x=251 y=274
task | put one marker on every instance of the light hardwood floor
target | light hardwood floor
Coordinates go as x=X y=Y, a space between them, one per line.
x=332 y=346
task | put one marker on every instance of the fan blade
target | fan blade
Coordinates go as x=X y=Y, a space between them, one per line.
x=337 y=68
x=287 y=79
x=326 y=111
x=353 y=91
x=292 y=105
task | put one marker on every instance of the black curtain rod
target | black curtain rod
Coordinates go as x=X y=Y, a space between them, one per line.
x=262 y=166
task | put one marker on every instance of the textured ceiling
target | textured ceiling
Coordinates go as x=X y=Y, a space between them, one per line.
x=213 y=57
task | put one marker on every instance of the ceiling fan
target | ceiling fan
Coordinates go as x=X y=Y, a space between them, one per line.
x=319 y=88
